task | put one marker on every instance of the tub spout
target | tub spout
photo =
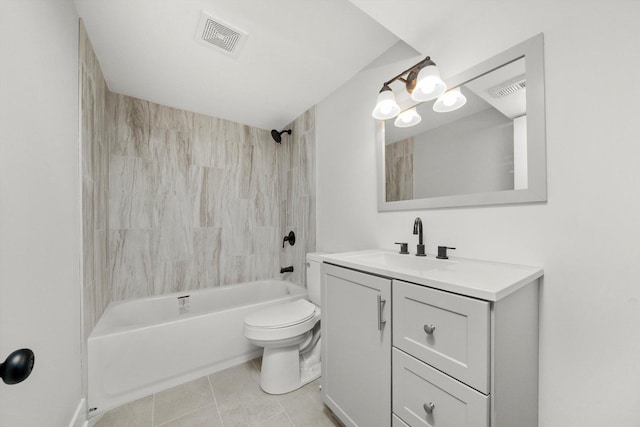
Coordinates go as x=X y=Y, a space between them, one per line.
x=286 y=269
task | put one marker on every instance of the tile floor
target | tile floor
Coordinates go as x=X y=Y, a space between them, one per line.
x=228 y=398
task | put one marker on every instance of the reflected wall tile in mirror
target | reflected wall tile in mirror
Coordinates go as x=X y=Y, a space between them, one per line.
x=399 y=170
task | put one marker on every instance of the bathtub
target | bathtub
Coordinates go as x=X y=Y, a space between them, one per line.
x=143 y=346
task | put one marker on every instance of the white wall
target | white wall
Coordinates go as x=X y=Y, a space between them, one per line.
x=585 y=236
x=40 y=208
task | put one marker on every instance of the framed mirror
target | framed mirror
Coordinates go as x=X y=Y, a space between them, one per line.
x=490 y=151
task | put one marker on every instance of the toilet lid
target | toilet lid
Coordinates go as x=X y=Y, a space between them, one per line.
x=282 y=315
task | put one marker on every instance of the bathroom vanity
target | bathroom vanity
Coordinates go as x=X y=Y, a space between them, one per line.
x=413 y=341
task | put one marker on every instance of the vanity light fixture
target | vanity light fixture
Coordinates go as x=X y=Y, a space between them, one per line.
x=408 y=118
x=386 y=107
x=450 y=101
x=421 y=80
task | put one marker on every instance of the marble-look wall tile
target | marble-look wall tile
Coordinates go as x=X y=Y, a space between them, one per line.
x=94 y=143
x=171 y=154
x=207 y=244
x=132 y=175
x=131 y=263
x=94 y=154
x=297 y=204
x=133 y=127
x=209 y=194
x=88 y=230
x=129 y=210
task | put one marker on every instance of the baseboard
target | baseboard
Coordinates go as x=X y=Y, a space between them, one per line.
x=79 y=416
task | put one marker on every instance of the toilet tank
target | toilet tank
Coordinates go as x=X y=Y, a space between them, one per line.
x=313 y=276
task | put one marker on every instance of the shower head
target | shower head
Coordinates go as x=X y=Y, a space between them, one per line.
x=277 y=136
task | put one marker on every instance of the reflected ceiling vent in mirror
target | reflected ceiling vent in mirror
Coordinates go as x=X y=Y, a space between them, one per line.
x=509 y=87
x=222 y=37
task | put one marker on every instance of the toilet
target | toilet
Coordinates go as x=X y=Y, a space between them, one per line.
x=290 y=335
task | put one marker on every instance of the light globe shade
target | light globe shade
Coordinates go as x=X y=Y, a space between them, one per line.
x=386 y=106
x=429 y=84
x=408 y=118
x=449 y=101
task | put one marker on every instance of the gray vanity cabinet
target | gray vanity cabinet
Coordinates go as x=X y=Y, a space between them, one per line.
x=398 y=353
x=356 y=346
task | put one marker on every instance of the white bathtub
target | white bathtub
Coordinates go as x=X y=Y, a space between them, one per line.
x=142 y=346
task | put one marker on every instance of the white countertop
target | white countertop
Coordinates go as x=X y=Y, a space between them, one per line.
x=485 y=280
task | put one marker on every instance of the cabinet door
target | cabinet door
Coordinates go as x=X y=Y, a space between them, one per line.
x=356 y=346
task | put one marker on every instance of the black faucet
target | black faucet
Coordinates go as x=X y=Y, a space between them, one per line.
x=417 y=229
x=286 y=269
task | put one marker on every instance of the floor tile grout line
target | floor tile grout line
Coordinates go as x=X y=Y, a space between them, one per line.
x=261 y=423
x=184 y=415
x=215 y=400
x=260 y=388
x=153 y=409
x=290 y=420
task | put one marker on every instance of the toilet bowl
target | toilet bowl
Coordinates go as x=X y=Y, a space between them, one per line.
x=290 y=335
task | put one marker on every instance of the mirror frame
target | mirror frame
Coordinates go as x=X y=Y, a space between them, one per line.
x=536 y=191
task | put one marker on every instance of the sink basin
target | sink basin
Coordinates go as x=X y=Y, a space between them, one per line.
x=398 y=262
x=480 y=279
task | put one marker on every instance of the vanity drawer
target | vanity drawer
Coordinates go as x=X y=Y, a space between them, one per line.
x=448 y=331
x=425 y=397
x=397 y=422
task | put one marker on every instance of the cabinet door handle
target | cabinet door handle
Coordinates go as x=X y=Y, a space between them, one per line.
x=429 y=407
x=429 y=329
x=381 y=303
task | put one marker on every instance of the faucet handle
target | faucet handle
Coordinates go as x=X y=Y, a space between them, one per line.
x=442 y=252
x=404 y=248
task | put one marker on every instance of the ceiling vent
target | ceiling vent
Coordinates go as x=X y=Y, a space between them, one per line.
x=215 y=33
x=509 y=87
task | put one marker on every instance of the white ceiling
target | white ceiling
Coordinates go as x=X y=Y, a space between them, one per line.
x=297 y=53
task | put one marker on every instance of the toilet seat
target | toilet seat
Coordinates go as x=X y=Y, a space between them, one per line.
x=281 y=323
x=282 y=315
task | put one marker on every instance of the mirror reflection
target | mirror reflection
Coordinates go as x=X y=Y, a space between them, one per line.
x=480 y=147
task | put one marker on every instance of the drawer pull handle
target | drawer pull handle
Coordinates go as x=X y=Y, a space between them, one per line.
x=429 y=407
x=429 y=329
x=381 y=303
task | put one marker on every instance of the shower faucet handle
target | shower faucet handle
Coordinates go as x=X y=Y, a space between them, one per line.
x=291 y=238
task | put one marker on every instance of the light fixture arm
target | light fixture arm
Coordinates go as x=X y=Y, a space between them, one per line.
x=422 y=81
x=413 y=69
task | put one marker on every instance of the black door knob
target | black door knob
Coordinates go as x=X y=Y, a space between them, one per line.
x=18 y=366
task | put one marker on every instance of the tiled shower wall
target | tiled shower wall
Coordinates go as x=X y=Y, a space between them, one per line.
x=179 y=201
x=296 y=165
x=95 y=175
x=94 y=137
x=197 y=202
